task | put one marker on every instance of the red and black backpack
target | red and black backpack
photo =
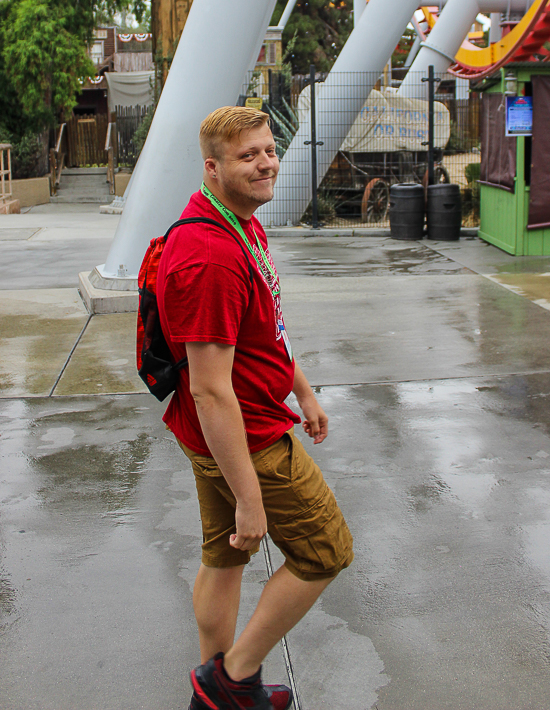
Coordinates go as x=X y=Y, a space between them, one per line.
x=155 y=363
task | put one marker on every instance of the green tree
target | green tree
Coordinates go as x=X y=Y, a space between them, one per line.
x=43 y=56
x=43 y=61
x=321 y=29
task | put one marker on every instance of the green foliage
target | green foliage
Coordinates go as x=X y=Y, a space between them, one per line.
x=403 y=49
x=458 y=143
x=321 y=29
x=140 y=136
x=472 y=173
x=286 y=127
x=43 y=57
x=326 y=209
x=26 y=152
x=284 y=65
x=44 y=60
x=471 y=194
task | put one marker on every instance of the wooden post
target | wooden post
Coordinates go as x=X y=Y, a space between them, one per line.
x=52 y=171
x=168 y=18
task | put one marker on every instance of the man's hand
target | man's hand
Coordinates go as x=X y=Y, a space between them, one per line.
x=316 y=421
x=210 y=368
x=251 y=525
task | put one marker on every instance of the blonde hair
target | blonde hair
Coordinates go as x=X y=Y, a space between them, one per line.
x=224 y=125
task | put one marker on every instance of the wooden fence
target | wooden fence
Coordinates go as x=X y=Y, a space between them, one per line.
x=86 y=140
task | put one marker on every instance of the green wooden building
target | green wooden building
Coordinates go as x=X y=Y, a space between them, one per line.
x=515 y=170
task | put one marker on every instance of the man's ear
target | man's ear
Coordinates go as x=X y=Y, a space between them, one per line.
x=210 y=167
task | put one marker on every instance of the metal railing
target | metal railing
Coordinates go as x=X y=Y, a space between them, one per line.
x=58 y=157
x=5 y=173
x=110 y=150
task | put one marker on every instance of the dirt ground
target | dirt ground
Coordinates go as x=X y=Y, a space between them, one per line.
x=456 y=164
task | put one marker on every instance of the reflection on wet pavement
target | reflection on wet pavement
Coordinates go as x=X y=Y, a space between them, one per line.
x=104 y=361
x=445 y=485
x=347 y=256
x=37 y=331
x=437 y=383
x=535 y=287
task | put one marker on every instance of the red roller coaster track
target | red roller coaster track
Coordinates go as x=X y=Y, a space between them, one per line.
x=524 y=43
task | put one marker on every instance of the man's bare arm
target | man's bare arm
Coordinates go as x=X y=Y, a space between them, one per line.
x=210 y=367
x=316 y=421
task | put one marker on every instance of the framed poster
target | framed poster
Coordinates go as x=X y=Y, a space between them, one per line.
x=519 y=115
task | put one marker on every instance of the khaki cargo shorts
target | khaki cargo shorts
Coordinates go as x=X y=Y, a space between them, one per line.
x=303 y=518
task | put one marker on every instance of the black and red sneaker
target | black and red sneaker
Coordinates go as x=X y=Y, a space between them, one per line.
x=213 y=689
x=280 y=696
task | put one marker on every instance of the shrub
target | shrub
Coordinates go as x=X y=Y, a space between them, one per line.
x=26 y=153
x=326 y=209
x=472 y=173
x=471 y=195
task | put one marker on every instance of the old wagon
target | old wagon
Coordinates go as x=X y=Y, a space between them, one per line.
x=387 y=144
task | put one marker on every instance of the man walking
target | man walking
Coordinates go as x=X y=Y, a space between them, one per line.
x=220 y=305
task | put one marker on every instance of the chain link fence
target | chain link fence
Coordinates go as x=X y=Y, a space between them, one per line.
x=384 y=144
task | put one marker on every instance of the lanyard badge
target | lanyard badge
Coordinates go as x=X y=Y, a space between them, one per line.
x=234 y=222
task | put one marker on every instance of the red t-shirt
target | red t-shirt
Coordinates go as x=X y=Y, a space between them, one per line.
x=205 y=294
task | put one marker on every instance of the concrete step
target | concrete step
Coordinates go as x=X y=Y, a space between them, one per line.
x=88 y=190
x=85 y=171
x=84 y=178
x=60 y=198
x=83 y=185
x=83 y=181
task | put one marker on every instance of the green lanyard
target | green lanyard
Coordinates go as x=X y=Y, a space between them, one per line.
x=234 y=222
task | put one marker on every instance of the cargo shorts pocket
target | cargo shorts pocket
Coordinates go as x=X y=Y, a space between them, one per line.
x=315 y=541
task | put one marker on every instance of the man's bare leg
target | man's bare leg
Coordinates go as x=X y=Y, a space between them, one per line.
x=216 y=597
x=284 y=601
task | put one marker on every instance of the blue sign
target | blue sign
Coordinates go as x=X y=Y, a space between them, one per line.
x=519 y=115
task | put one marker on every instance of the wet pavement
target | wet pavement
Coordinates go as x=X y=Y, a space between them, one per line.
x=433 y=364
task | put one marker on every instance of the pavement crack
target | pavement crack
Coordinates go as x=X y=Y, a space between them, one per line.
x=479 y=376
x=284 y=641
x=70 y=355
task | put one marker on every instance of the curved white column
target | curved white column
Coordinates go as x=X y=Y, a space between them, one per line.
x=440 y=46
x=286 y=13
x=358 y=9
x=340 y=98
x=220 y=40
x=495 y=33
x=490 y=6
x=445 y=39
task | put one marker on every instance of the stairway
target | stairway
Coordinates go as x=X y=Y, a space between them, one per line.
x=83 y=185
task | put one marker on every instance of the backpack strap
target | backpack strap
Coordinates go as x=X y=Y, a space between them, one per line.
x=207 y=220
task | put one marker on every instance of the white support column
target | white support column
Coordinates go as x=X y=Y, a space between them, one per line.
x=445 y=39
x=219 y=43
x=340 y=99
x=440 y=46
x=358 y=9
x=495 y=33
x=287 y=12
x=489 y=6
x=252 y=66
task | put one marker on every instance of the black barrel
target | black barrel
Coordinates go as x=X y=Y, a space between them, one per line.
x=444 y=212
x=407 y=211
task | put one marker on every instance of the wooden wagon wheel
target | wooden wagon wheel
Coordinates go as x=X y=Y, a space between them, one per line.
x=441 y=176
x=376 y=201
